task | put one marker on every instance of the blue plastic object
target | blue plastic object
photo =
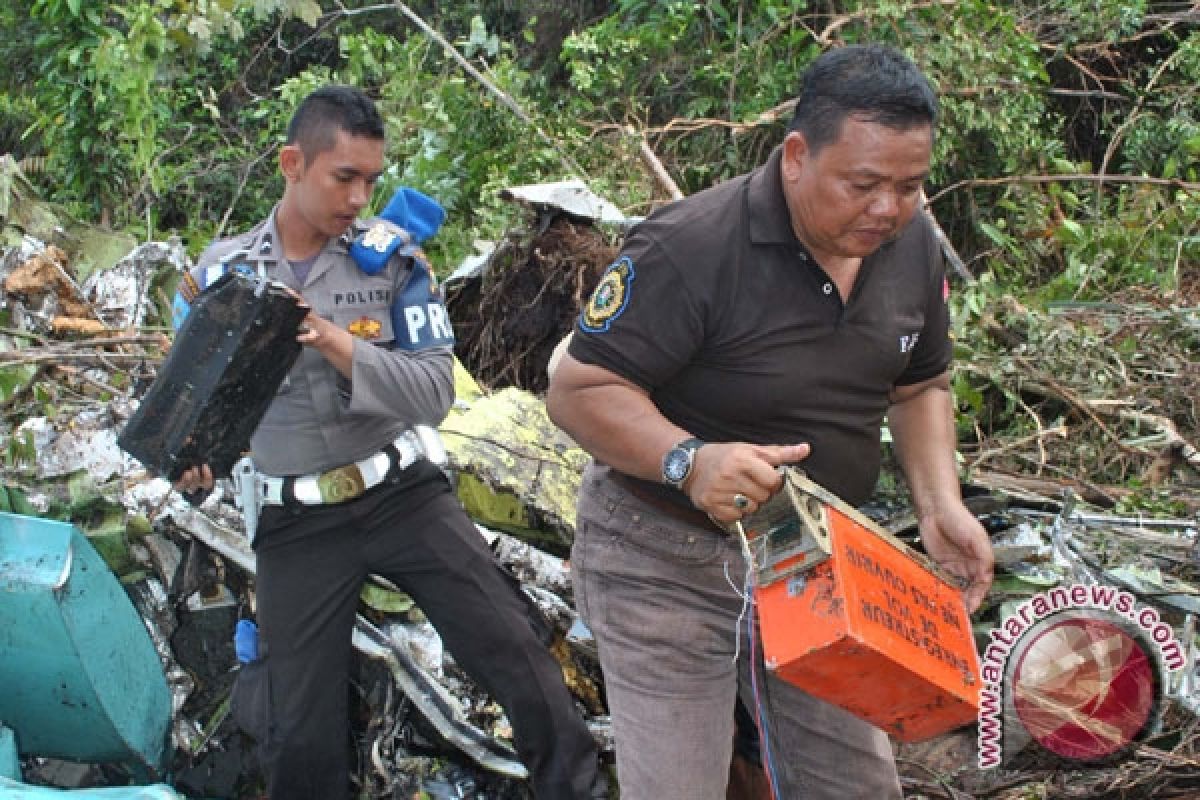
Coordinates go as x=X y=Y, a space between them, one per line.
x=10 y=766
x=245 y=641
x=11 y=790
x=80 y=675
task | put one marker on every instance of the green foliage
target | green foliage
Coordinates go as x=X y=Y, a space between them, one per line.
x=1152 y=501
x=650 y=63
x=166 y=114
x=19 y=450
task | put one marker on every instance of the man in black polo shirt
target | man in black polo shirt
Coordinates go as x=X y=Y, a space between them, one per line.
x=773 y=319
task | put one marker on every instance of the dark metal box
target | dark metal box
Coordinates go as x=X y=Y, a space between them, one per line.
x=228 y=360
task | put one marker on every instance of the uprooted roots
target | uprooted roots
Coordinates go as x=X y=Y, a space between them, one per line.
x=509 y=319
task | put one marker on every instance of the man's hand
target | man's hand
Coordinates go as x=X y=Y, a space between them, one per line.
x=726 y=472
x=198 y=477
x=336 y=344
x=195 y=484
x=955 y=540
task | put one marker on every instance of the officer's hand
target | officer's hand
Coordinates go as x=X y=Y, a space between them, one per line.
x=725 y=473
x=334 y=343
x=198 y=478
x=309 y=332
x=195 y=484
x=954 y=539
x=314 y=330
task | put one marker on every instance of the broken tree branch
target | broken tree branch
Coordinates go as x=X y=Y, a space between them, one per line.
x=972 y=183
x=948 y=250
x=505 y=99
x=1188 y=452
x=655 y=166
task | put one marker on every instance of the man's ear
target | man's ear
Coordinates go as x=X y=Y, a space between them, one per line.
x=291 y=162
x=795 y=152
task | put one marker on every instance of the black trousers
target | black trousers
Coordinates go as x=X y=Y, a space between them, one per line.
x=411 y=529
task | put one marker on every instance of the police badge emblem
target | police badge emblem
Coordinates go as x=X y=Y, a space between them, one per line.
x=379 y=238
x=610 y=297
x=365 y=328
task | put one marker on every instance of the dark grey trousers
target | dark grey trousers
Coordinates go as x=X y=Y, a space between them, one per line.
x=661 y=598
x=311 y=566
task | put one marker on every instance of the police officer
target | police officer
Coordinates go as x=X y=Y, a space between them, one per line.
x=346 y=488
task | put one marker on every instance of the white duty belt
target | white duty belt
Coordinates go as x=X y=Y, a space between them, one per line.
x=349 y=481
x=253 y=489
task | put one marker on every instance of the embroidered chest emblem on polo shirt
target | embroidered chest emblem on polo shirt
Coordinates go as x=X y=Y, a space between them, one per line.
x=610 y=298
x=365 y=328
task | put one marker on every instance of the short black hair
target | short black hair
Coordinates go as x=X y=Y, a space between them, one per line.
x=324 y=112
x=873 y=82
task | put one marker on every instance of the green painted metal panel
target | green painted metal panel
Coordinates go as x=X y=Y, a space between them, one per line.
x=11 y=790
x=81 y=676
x=10 y=766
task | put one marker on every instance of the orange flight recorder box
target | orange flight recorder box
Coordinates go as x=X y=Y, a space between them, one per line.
x=852 y=615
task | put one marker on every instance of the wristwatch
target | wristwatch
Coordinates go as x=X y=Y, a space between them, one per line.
x=677 y=463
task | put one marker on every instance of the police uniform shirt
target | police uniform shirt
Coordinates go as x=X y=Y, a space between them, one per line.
x=402 y=364
x=716 y=309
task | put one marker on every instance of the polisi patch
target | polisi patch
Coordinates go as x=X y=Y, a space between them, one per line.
x=419 y=320
x=610 y=298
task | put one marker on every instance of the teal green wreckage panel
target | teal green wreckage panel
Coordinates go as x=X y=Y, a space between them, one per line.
x=11 y=790
x=81 y=676
x=10 y=766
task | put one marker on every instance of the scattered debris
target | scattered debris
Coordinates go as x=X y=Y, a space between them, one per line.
x=571 y=197
x=513 y=469
x=1106 y=398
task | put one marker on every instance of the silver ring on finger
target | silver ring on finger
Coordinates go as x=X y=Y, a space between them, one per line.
x=741 y=502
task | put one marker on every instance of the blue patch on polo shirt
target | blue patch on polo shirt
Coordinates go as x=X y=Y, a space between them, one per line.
x=611 y=297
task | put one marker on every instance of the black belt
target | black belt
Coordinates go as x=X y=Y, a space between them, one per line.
x=651 y=495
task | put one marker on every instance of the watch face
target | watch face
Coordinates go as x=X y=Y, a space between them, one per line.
x=676 y=465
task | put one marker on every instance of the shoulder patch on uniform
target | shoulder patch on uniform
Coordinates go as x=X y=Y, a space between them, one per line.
x=188 y=288
x=610 y=297
x=373 y=248
x=379 y=236
x=419 y=320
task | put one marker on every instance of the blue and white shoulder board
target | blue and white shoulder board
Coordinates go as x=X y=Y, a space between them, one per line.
x=408 y=219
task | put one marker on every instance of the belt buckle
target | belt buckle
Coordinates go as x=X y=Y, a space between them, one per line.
x=341 y=484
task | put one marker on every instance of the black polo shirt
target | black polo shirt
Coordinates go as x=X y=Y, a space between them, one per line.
x=717 y=310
